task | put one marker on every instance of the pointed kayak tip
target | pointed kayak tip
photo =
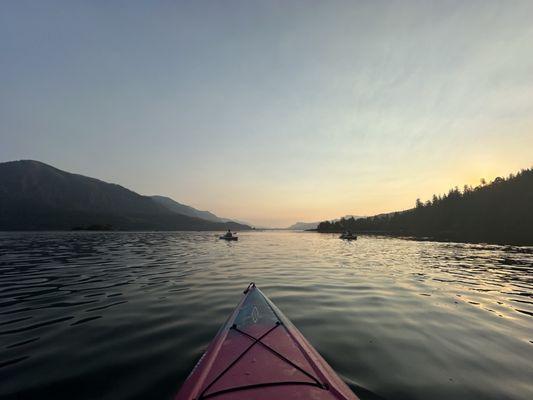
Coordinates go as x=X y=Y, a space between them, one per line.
x=259 y=354
x=250 y=285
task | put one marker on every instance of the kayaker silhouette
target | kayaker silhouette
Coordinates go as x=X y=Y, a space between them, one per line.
x=228 y=233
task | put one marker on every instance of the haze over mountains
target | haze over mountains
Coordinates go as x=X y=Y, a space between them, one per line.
x=37 y=196
x=179 y=208
x=183 y=209
x=302 y=226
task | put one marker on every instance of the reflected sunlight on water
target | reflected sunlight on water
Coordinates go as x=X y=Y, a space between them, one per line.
x=127 y=315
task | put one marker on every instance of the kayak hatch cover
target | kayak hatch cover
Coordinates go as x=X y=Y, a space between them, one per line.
x=258 y=354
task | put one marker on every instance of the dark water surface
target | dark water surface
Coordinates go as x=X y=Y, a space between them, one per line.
x=126 y=315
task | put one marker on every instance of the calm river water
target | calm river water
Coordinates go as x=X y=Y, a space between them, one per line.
x=127 y=315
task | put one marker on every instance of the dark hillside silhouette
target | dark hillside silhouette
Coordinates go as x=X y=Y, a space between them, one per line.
x=37 y=196
x=498 y=212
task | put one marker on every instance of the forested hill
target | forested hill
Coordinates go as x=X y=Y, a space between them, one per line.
x=498 y=212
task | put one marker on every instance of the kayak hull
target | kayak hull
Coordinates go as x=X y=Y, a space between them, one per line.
x=348 y=237
x=229 y=239
x=258 y=354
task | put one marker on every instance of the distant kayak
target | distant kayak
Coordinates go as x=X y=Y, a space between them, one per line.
x=348 y=237
x=228 y=237
x=259 y=354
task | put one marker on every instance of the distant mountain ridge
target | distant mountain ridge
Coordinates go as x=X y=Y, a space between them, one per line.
x=183 y=209
x=37 y=196
x=302 y=226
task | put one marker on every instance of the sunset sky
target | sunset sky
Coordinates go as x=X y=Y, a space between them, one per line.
x=271 y=112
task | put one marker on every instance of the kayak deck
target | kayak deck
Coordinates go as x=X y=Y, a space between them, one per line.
x=258 y=354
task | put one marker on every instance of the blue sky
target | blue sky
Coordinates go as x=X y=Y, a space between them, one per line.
x=269 y=111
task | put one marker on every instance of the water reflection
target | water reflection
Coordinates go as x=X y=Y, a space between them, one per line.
x=126 y=315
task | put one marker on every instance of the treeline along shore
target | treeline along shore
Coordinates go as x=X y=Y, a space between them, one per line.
x=499 y=212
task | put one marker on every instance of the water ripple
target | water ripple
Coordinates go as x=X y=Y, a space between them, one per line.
x=405 y=319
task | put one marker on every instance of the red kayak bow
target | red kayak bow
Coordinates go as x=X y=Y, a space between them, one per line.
x=258 y=354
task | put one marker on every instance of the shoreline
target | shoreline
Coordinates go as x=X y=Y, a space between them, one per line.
x=434 y=238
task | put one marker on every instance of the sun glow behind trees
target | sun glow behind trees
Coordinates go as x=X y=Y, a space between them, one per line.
x=498 y=212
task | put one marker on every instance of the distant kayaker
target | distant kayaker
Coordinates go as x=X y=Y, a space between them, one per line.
x=228 y=233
